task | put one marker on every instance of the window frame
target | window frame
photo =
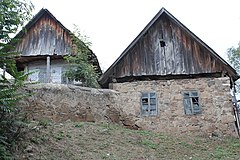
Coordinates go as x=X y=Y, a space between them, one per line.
x=42 y=74
x=189 y=99
x=151 y=98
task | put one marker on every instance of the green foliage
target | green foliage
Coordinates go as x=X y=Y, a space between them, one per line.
x=12 y=120
x=80 y=69
x=221 y=153
x=60 y=135
x=78 y=125
x=13 y=14
x=234 y=57
x=149 y=144
x=44 y=122
x=4 y=153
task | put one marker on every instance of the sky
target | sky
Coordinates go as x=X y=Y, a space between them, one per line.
x=111 y=25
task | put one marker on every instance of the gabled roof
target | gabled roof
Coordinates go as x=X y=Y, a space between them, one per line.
x=36 y=18
x=104 y=78
x=28 y=58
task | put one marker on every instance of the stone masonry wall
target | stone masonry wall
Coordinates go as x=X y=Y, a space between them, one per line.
x=59 y=102
x=215 y=99
x=122 y=105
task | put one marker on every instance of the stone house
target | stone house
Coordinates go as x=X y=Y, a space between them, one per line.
x=43 y=43
x=171 y=81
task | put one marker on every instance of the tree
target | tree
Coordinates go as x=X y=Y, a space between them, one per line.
x=13 y=15
x=80 y=69
x=234 y=59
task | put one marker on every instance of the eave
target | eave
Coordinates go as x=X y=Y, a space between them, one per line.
x=105 y=77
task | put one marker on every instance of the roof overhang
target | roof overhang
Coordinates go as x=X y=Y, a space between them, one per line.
x=106 y=75
x=28 y=59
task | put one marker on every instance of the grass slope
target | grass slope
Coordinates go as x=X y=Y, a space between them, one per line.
x=76 y=141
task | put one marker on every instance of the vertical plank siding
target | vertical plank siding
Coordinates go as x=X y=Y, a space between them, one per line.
x=46 y=37
x=181 y=55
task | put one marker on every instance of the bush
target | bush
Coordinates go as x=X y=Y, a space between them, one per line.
x=80 y=69
x=13 y=14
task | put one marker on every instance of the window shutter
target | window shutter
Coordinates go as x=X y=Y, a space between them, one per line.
x=196 y=109
x=149 y=104
x=187 y=105
x=196 y=106
x=145 y=105
x=144 y=109
x=153 y=104
x=191 y=102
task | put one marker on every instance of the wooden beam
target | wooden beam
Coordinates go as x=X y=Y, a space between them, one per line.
x=48 y=80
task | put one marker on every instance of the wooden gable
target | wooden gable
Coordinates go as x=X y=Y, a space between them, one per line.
x=45 y=36
x=166 y=49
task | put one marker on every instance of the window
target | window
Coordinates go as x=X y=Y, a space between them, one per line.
x=162 y=43
x=149 y=104
x=42 y=75
x=191 y=102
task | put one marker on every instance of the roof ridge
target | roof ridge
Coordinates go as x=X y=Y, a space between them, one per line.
x=35 y=18
x=178 y=23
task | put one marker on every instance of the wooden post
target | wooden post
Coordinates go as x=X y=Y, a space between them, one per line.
x=48 y=70
x=235 y=108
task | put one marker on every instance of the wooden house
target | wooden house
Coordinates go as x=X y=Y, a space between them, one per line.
x=172 y=81
x=43 y=43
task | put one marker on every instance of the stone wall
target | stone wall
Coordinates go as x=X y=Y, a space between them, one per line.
x=59 y=102
x=215 y=99
x=123 y=105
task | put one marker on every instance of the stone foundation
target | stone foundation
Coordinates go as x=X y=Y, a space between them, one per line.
x=123 y=105
x=215 y=100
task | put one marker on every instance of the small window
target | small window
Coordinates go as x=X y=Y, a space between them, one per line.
x=162 y=43
x=148 y=104
x=191 y=102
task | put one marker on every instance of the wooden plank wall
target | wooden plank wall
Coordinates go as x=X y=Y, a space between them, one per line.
x=181 y=55
x=46 y=37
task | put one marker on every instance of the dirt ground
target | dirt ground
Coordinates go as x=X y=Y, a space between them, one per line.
x=96 y=141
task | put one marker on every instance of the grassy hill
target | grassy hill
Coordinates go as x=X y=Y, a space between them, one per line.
x=76 y=141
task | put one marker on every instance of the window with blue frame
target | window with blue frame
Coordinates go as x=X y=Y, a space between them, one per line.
x=149 y=104
x=191 y=102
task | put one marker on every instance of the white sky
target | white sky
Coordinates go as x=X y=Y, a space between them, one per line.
x=112 y=25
